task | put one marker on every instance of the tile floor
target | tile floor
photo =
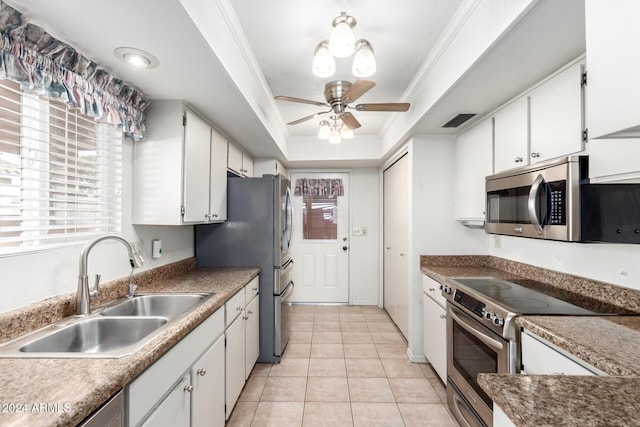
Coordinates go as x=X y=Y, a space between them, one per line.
x=343 y=366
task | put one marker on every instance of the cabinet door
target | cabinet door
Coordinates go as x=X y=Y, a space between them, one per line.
x=511 y=135
x=197 y=146
x=234 y=159
x=247 y=165
x=474 y=161
x=174 y=409
x=207 y=378
x=556 y=115
x=540 y=359
x=435 y=336
x=612 y=35
x=218 y=177
x=252 y=335
x=234 y=363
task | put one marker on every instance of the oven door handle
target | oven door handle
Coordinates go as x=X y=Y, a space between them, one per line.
x=494 y=344
x=531 y=204
x=456 y=404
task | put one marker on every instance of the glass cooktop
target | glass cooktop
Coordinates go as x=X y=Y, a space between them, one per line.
x=531 y=297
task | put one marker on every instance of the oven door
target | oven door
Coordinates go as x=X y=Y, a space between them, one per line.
x=473 y=349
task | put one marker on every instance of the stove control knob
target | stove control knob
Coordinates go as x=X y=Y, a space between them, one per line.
x=446 y=289
x=498 y=321
x=488 y=315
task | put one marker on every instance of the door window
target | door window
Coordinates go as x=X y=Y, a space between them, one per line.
x=319 y=218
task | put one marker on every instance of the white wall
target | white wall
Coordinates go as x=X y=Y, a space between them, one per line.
x=33 y=277
x=613 y=263
x=433 y=229
x=364 y=256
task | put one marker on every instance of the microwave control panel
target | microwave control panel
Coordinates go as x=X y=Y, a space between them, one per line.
x=557 y=202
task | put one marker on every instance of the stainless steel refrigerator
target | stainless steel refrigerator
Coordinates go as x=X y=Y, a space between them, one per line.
x=257 y=233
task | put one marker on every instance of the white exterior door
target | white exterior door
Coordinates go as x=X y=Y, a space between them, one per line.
x=320 y=246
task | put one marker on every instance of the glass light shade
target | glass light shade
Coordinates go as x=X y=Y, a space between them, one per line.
x=324 y=65
x=364 y=63
x=324 y=132
x=335 y=137
x=342 y=41
x=346 y=132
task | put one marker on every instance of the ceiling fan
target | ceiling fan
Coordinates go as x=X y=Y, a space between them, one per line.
x=339 y=94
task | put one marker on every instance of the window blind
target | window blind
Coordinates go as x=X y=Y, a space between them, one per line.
x=60 y=173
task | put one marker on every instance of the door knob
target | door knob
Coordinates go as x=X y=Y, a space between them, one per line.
x=344 y=248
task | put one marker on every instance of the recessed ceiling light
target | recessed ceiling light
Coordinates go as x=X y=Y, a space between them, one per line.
x=135 y=57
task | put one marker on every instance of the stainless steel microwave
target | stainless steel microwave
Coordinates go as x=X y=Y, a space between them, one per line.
x=554 y=200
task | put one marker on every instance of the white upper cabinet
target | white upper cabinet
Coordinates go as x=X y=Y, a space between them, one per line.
x=612 y=34
x=544 y=123
x=474 y=161
x=556 y=115
x=179 y=171
x=511 y=137
x=239 y=162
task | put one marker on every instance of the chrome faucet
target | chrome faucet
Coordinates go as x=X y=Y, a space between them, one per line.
x=84 y=296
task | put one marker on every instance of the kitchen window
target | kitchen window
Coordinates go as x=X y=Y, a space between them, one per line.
x=60 y=174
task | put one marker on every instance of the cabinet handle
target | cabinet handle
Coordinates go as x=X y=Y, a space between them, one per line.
x=239 y=308
x=518 y=159
x=254 y=289
x=535 y=155
x=214 y=216
x=245 y=317
x=432 y=289
x=443 y=316
x=250 y=311
x=188 y=388
x=202 y=372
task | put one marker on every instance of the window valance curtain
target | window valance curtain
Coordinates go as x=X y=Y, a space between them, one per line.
x=42 y=64
x=324 y=188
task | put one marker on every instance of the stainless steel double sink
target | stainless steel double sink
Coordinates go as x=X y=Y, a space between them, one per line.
x=112 y=331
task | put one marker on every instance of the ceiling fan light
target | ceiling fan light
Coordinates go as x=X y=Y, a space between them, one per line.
x=342 y=40
x=346 y=132
x=324 y=65
x=335 y=137
x=324 y=132
x=364 y=62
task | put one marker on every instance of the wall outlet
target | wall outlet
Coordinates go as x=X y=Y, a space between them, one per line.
x=357 y=231
x=497 y=243
x=364 y=231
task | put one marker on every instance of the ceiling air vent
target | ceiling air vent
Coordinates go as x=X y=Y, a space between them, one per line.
x=458 y=120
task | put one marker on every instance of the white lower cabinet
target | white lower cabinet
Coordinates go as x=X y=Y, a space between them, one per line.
x=435 y=327
x=172 y=393
x=252 y=336
x=207 y=397
x=541 y=358
x=234 y=356
x=242 y=339
x=174 y=409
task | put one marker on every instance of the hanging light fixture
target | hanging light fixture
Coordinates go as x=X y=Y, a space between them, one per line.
x=342 y=40
x=324 y=65
x=325 y=131
x=364 y=63
x=341 y=44
x=335 y=132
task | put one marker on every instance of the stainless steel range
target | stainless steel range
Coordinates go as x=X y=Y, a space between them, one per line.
x=482 y=336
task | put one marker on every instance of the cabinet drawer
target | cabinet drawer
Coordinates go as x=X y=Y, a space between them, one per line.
x=539 y=358
x=233 y=307
x=431 y=288
x=251 y=290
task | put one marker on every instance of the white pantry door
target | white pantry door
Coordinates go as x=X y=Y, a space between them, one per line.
x=320 y=247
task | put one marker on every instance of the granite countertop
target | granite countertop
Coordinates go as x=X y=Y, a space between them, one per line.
x=62 y=392
x=608 y=343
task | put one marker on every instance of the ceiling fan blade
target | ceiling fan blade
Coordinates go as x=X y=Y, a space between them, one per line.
x=389 y=106
x=350 y=120
x=304 y=119
x=359 y=88
x=303 y=101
